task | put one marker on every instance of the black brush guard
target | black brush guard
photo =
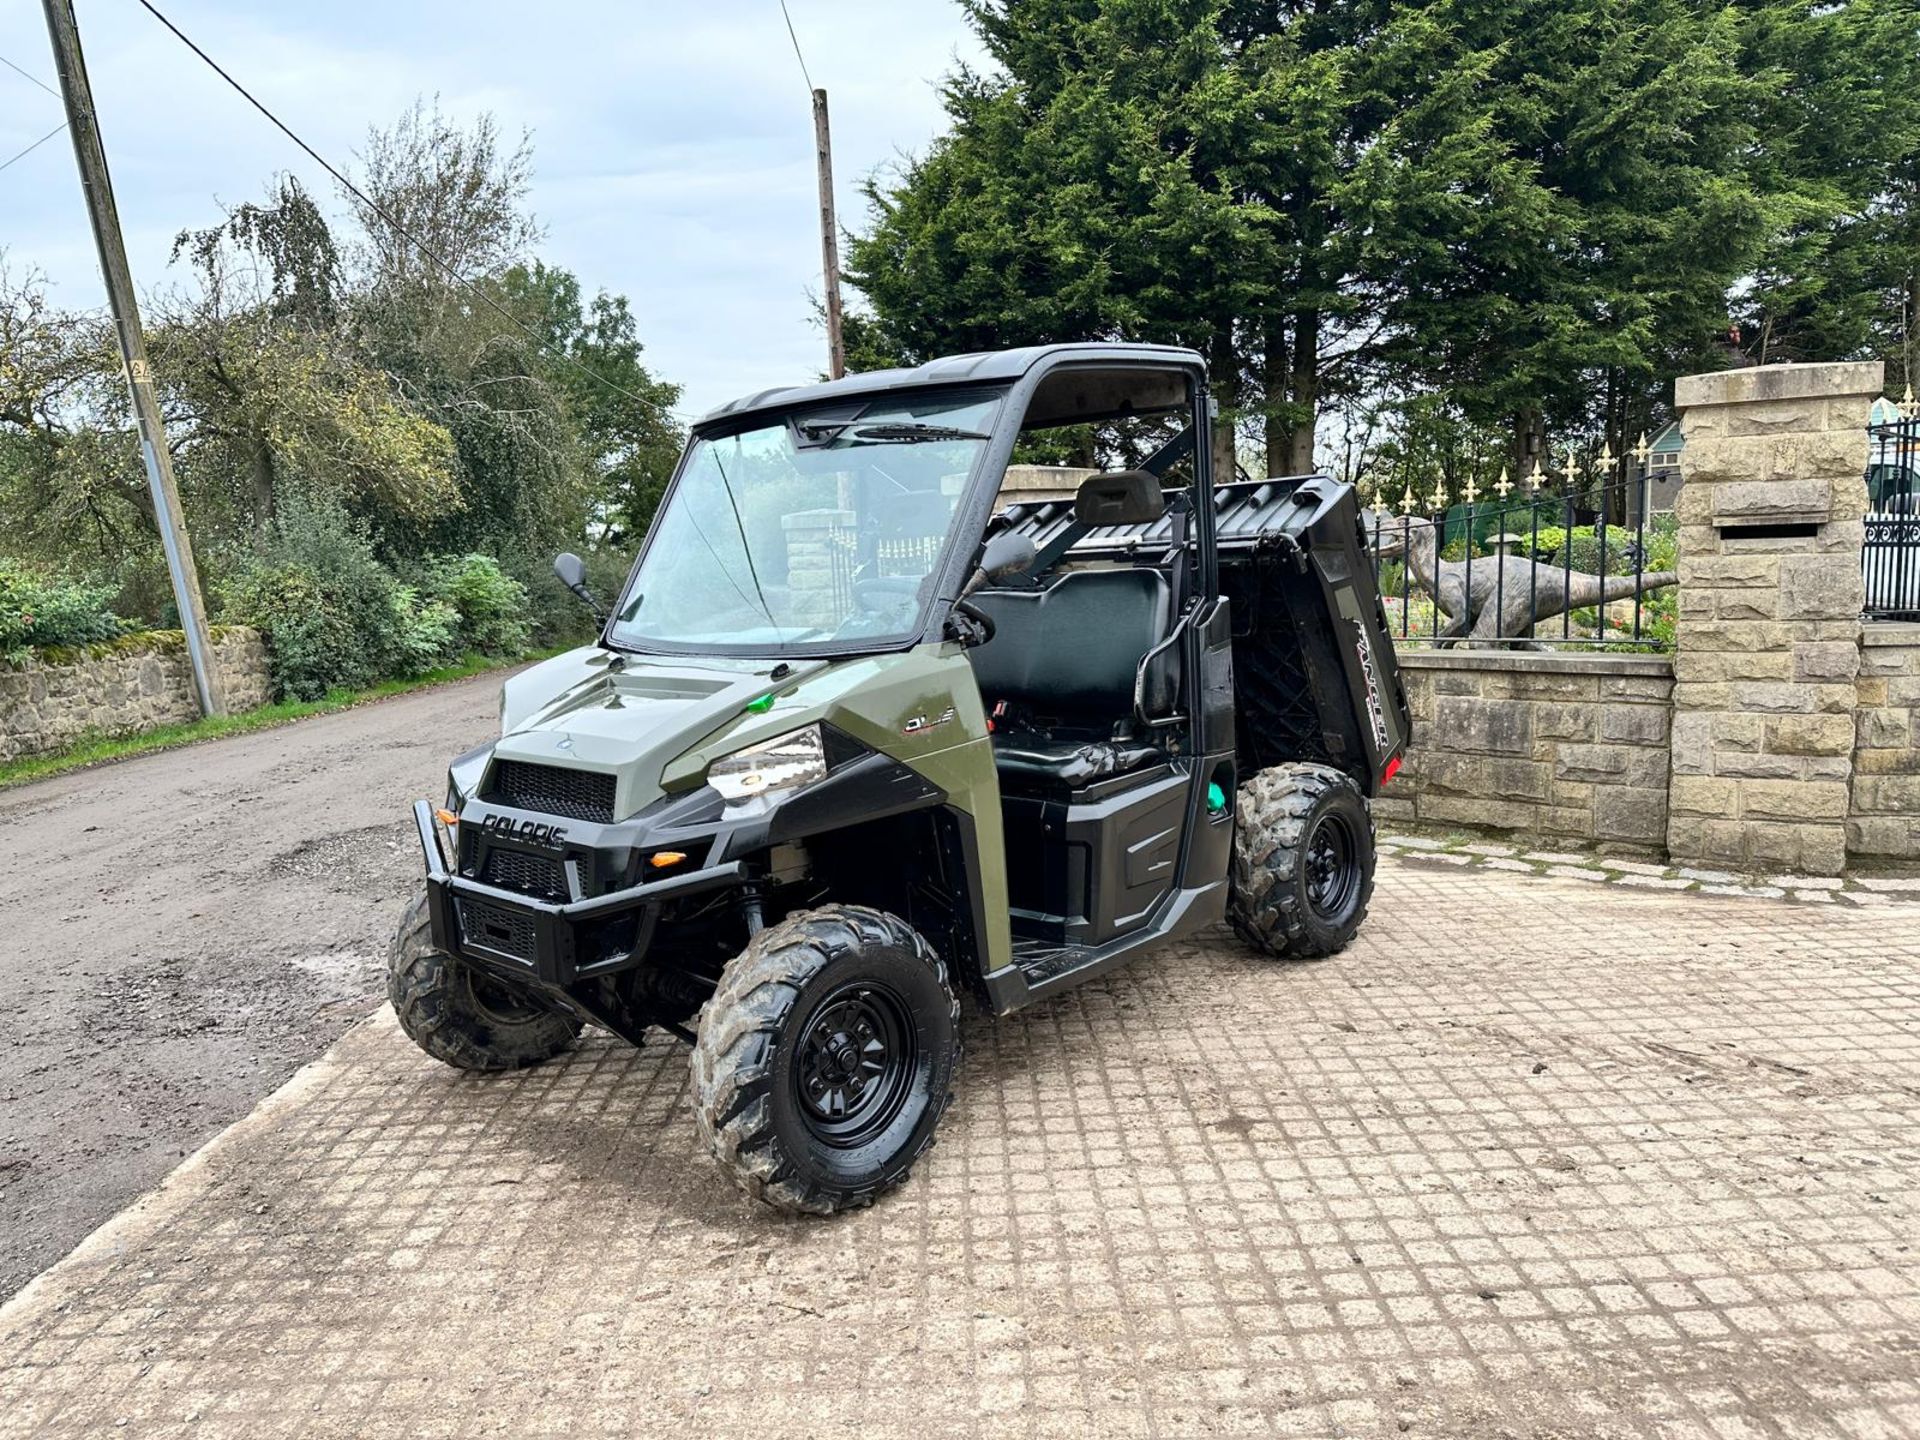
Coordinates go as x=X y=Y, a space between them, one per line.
x=555 y=944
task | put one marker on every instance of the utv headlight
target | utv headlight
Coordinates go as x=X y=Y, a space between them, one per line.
x=463 y=775
x=785 y=762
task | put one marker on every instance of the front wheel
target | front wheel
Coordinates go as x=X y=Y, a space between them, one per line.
x=1303 y=861
x=460 y=1016
x=824 y=1059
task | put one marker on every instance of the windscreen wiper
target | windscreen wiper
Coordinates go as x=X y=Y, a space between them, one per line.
x=910 y=431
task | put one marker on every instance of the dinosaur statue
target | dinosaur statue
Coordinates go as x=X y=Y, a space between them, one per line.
x=1526 y=591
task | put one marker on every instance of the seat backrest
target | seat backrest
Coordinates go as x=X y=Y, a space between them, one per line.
x=1074 y=646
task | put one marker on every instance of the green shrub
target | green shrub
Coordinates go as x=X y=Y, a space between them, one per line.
x=330 y=612
x=554 y=613
x=491 y=605
x=1545 y=544
x=38 y=611
x=426 y=632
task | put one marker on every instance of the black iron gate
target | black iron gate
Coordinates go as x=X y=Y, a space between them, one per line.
x=1890 y=560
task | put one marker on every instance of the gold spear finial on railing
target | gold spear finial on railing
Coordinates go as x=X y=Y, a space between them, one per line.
x=1438 y=500
x=1538 y=478
x=1643 y=451
x=1407 y=500
x=1472 y=491
x=1909 y=407
x=1503 y=486
x=1606 y=458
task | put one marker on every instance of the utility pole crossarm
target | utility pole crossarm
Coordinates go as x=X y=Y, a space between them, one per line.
x=91 y=157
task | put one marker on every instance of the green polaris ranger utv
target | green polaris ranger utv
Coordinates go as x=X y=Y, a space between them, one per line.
x=858 y=738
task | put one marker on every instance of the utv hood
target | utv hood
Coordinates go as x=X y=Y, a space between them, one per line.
x=629 y=715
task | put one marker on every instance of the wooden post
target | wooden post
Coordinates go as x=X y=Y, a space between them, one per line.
x=91 y=157
x=829 y=242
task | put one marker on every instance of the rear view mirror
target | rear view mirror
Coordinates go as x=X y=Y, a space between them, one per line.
x=1007 y=555
x=572 y=572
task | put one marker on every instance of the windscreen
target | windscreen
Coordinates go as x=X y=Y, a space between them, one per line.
x=820 y=529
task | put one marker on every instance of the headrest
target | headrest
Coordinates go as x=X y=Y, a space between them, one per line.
x=1122 y=497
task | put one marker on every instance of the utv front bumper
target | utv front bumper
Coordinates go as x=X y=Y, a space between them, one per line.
x=550 y=943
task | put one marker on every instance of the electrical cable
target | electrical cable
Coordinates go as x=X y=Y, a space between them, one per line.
x=29 y=75
x=36 y=144
x=796 y=47
x=393 y=224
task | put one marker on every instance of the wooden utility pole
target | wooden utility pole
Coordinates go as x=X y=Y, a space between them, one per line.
x=829 y=241
x=91 y=157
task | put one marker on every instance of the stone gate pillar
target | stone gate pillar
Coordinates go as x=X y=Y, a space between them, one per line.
x=1771 y=527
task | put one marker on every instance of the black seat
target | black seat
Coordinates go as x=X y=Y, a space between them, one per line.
x=1071 y=652
x=1069 y=764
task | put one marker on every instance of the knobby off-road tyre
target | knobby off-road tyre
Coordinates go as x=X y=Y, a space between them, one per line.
x=1303 y=861
x=459 y=1016
x=825 y=1058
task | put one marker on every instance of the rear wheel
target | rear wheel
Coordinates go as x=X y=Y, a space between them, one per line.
x=1303 y=861
x=824 y=1059
x=460 y=1015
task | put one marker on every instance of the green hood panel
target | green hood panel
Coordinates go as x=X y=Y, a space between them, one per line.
x=582 y=711
x=657 y=722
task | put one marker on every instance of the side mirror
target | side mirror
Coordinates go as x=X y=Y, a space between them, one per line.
x=572 y=572
x=1007 y=555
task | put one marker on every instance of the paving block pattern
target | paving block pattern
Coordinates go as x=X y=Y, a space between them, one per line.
x=1460 y=847
x=1534 y=1158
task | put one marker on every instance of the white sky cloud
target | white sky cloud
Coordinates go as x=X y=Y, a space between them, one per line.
x=673 y=144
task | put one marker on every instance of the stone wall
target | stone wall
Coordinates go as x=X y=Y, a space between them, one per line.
x=1768 y=640
x=134 y=684
x=1552 y=745
x=1884 y=817
x=1030 y=484
x=811 y=536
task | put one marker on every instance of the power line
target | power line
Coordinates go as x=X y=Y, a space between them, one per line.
x=393 y=224
x=29 y=75
x=796 y=47
x=36 y=144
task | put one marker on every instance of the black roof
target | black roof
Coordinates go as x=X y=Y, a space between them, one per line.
x=986 y=366
x=1246 y=516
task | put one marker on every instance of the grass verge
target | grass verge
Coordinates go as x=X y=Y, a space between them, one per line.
x=99 y=749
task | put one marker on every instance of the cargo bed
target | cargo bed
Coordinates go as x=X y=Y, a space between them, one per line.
x=1315 y=676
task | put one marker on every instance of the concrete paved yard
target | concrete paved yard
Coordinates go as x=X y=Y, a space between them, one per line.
x=1536 y=1158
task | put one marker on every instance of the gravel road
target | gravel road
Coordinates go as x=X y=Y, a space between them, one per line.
x=183 y=931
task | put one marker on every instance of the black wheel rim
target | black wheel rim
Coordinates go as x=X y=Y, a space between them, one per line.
x=853 y=1069
x=499 y=1004
x=1332 y=868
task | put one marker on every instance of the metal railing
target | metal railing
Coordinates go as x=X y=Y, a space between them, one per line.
x=1890 y=556
x=850 y=561
x=1565 y=559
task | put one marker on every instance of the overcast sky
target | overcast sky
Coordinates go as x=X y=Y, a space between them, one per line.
x=673 y=144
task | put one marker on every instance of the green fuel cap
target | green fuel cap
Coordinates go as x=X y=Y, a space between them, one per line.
x=760 y=706
x=1216 y=798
